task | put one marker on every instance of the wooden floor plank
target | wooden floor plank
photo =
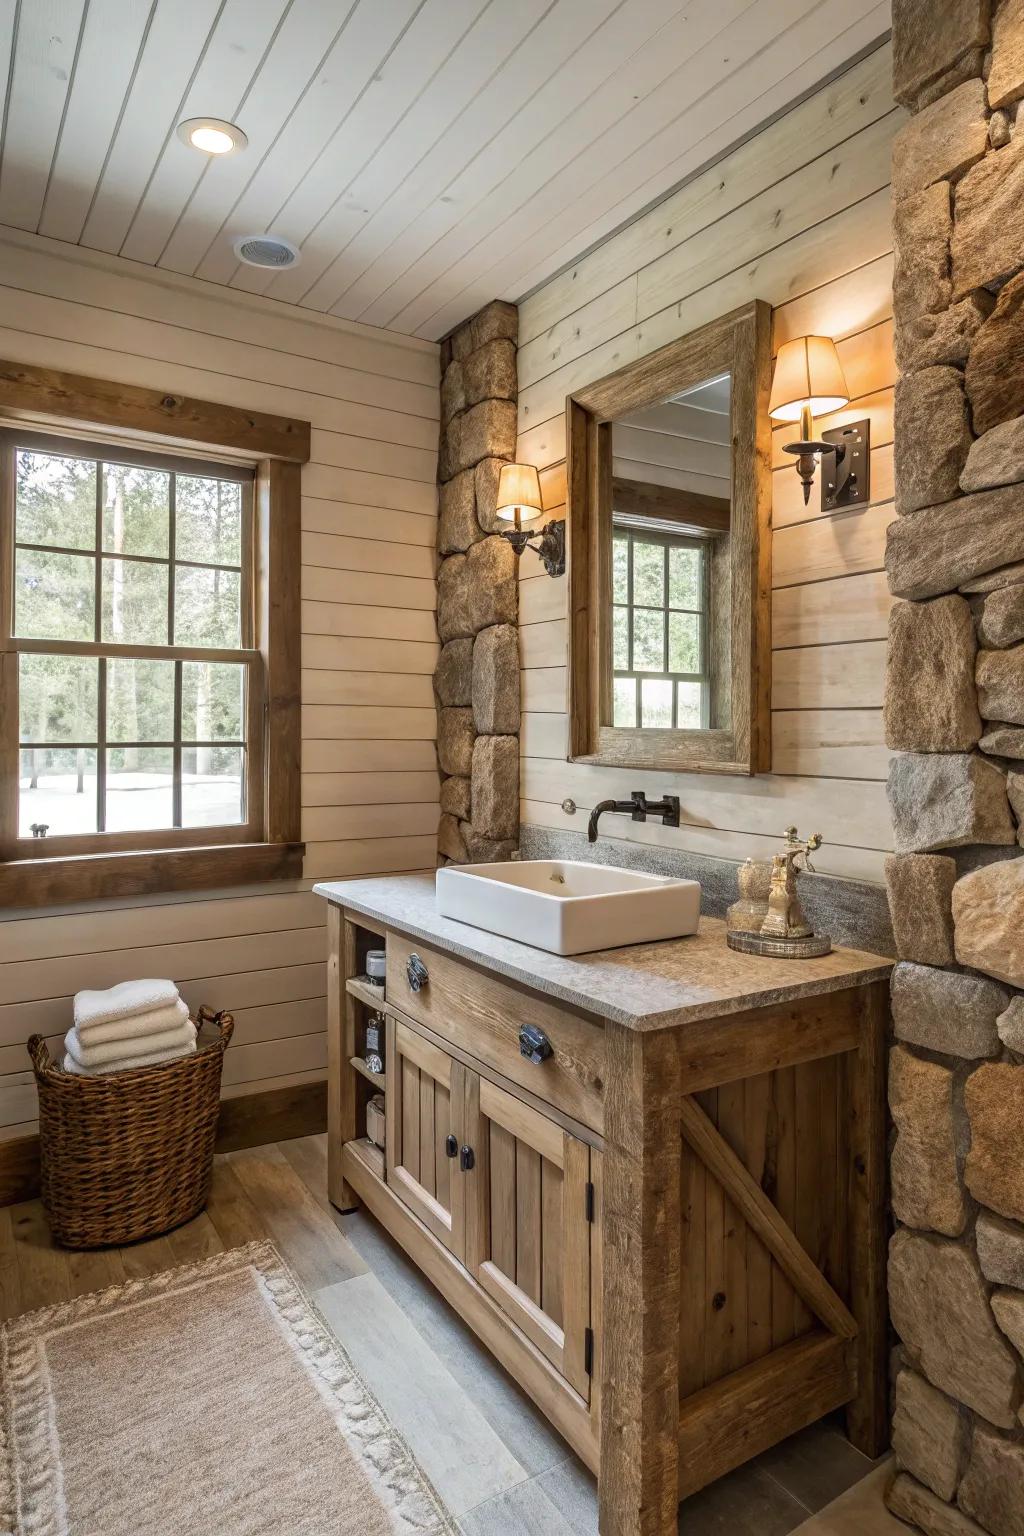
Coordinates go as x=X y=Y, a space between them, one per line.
x=197 y=1239
x=308 y=1239
x=10 y=1282
x=308 y=1156
x=42 y=1266
x=235 y=1219
x=147 y=1258
x=94 y=1269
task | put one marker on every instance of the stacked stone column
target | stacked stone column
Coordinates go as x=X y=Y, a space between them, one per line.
x=476 y=682
x=954 y=712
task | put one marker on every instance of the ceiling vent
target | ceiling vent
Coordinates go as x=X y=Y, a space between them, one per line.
x=271 y=251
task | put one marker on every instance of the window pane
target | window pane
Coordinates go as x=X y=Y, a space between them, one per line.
x=57 y=698
x=212 y=788
x=56 y=500
x=212 y=701
x=136 y=510
x=620 y=569
x=655 y=703
x=207 y=608
x=140 y=700
x=139 y=788
x=683 y=642
x=684 y=578
x=208 y=520
x=689 y=703
x=54 y=595
x=620 y=638
x=134 y=602
x=648 y=573
x=648 y=640
x=624 y=702
x=57 y=789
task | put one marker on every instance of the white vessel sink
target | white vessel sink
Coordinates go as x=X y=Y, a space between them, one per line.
x=569 y=908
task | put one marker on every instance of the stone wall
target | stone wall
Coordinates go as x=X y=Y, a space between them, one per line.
x=955 y=713
x=477 y=678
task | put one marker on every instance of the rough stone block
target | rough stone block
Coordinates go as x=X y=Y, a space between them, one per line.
x=926 y=1189
x=450 y=842
x=1001 y=622
x=922 y=226
x=993 y=581
x=929 y=39
x=1010 y=1025
x=929 y=1434
x=453 y=675
x=461 y=341
x=483 y=430
x=988 y=232
x=993 y=1486
x=496 y=787
x=920 y=889
x=994 y=1171
x=1006 y=74
x=1000 y=129
x=477 y=589
x=490 y=850
x=1008 y=1307
x=934 y=437
x=457 y=527
x=489 y=373
x=941 y=548
x=1015 y=795
x=946 y=1011
x=496 y=681
x=995 y=366
x=942 y=141
x=487 y=474
x=497 y=320
x=941 y=800
x=909 y=1501
x=930 y=699
x=456 y=799
x=453 y=392
x=1003 y=741
x=1000 y=1250
x=1000 y=676
x=988 y=920
x=997 y=458
x=939 y=1304
x=455 y=737
x=922 y=340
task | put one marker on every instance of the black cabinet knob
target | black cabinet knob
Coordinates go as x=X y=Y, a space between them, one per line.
x=451 y=1146
x=416 y=973
x=534 y=1044
x=466 y=1159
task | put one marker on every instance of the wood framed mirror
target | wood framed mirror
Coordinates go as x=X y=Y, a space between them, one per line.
x=669 y=538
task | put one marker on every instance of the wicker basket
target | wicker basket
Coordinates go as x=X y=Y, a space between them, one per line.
x=128 y=1155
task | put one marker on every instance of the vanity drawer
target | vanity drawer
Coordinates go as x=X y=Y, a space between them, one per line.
x=483 y=1015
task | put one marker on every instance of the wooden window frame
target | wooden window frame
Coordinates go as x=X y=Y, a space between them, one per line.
x=669 y=538
x=44 y=408
x=738 y=344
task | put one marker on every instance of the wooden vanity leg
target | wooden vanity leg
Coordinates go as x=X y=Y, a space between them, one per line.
x=867 y=1416
x=341 y=1080
x=639 y=1475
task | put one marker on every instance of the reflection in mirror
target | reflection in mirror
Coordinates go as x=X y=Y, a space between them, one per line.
x=670 y=566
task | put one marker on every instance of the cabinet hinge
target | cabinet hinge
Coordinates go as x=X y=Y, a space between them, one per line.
x=590 y=1202
x=588 y=1351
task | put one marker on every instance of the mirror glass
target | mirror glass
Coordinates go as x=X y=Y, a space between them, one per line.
x=669 y=581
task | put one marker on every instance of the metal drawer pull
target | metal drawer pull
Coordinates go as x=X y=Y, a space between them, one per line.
x=466 y=1159
x=416 y=973
x=451 y=1146
x=534 y=1044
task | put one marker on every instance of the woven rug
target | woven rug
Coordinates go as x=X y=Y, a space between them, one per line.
x=211 y=1400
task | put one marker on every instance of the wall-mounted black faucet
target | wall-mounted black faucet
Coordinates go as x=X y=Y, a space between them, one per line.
x=638 y=807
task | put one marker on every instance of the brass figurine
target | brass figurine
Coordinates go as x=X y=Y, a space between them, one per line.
x=784 y=931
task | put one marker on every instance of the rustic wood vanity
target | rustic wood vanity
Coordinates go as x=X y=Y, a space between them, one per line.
x=652 y=1179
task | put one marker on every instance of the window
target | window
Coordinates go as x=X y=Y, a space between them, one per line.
x=132 y=620
x=659 y=628
x=149 y=657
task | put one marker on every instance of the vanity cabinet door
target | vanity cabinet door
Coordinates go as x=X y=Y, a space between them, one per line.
x=425 y=1099
x=528 y=1228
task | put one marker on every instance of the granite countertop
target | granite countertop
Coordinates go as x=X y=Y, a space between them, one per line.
x=643 y=986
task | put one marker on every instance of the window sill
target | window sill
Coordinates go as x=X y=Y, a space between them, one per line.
x=90 y=877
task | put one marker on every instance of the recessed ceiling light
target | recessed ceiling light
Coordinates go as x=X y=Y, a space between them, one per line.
x=212 y=135
x=267 y=250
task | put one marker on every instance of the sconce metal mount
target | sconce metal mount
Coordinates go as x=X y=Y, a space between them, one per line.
x=550 y=545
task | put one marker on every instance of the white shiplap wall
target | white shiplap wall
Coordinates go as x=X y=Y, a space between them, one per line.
x=369 y=784
x=798 y=216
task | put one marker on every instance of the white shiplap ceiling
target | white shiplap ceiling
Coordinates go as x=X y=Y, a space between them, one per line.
x=426 y=155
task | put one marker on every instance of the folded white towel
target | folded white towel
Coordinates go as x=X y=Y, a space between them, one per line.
x=71 y=1065
x=156 y=1022
x=114 y=1051
x=126 y=998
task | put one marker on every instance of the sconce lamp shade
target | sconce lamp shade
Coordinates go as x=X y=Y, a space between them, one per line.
x=518 y=494
x=808 y=373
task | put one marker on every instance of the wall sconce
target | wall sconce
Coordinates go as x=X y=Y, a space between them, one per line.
x=809 y=380
x=519 y=502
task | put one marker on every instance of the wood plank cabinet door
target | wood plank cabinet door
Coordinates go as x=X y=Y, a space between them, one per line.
x=424 y=1106
x=528 y=1224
